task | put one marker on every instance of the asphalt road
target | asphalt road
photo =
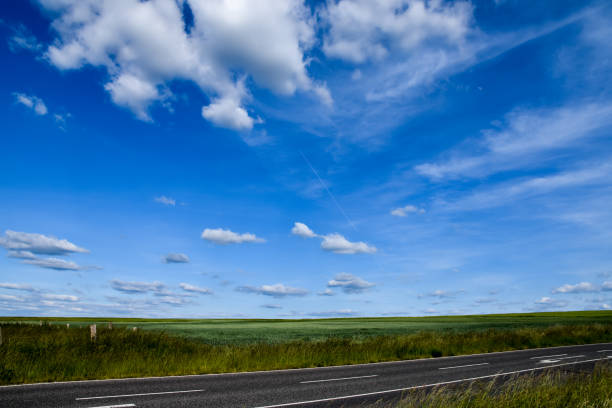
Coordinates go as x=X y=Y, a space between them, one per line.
x=317 y=387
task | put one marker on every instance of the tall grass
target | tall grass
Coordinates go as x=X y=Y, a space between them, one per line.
x=551 y=390
x=32 y=353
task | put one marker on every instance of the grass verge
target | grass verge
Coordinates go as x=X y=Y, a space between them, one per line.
x=553 y=389
x=33 y=353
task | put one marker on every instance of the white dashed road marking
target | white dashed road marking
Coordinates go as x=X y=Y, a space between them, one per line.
x=339 y=379
x=136 y=395
x=461 y=366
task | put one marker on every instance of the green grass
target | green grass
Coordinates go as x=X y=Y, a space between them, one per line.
x=33 y=353
x=235 y=331
x=546 y=390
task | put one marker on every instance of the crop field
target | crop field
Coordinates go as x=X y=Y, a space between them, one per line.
x=35 y=350
x=244 y=331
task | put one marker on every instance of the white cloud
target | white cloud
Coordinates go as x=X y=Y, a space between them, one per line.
x=16 y=286
x=332 y=313
x=530 y=187
x=278 y=290
x=144 y=47
x=31 y=102
x=176 y=258
x=62 y=298
x=521 y=141
x=607 y=286
x=21 y=254
x=302 y=230
x=165 y=200
x=326 y=292
x=195 y=289
x=443 y=294
x=137 y=287
x=350 y=283
x=55 y=263
x=11 y=298
x=338 y=244
x=403 y=211
x=545 y=300
x=38 y=243
x=223 y=237
x=268 y=306
x=23 y=39
x=361 y=30
x=581 y=287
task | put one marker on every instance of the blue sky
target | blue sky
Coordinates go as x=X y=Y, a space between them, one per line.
x=305 y=159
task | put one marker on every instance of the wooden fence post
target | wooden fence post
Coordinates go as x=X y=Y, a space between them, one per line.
x=110 y=325
x=67 y=325
x=92 y=332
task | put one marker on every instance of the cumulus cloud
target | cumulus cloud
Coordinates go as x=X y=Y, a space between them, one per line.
x=361 y=30
x=38 y=243
x=338 y=244
x=195 y=289
x=349 y=283
x=32 y=102
x=278 y=290
x=223 y=237
x=403 y=211
x=302 y=230
x=165 y=200
x=137 y=287
x=144 y=46
x=581 y=287
x=176 y=258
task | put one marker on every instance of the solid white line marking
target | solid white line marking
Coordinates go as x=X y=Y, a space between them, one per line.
x=339 y=379
x=116 y=406
x=555 y=355
x=292 y=404
x=136 y=395
x=603 y=351
x=461 y=366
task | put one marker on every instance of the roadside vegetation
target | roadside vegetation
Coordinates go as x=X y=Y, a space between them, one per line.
x=39 y=353
x=552 y=389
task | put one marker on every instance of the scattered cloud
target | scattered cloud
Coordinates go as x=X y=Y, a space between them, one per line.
x=334 y=313
x=302 y=230
x=38 y=244
x=165 y=200
x=403 y=211
x=443 y=294
x=56 y=264
x=349 y=283
x=23 y=39
x=137 y=287
x=223 y=237
x=278 y=290
x=326 y=292
x=176 y=258
x=32 y=102
x=338 y=244
x=267 y=306
x=17 y=286
x=607 y=286
x=195 y=289
x=61 y=298
x=581 y=287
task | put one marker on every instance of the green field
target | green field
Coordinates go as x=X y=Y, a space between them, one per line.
x=35 y=350
x=241 y=331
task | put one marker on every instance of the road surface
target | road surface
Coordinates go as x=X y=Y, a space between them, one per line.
x=316 y=387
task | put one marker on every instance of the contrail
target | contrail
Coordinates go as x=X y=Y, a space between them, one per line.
x=327 y=189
